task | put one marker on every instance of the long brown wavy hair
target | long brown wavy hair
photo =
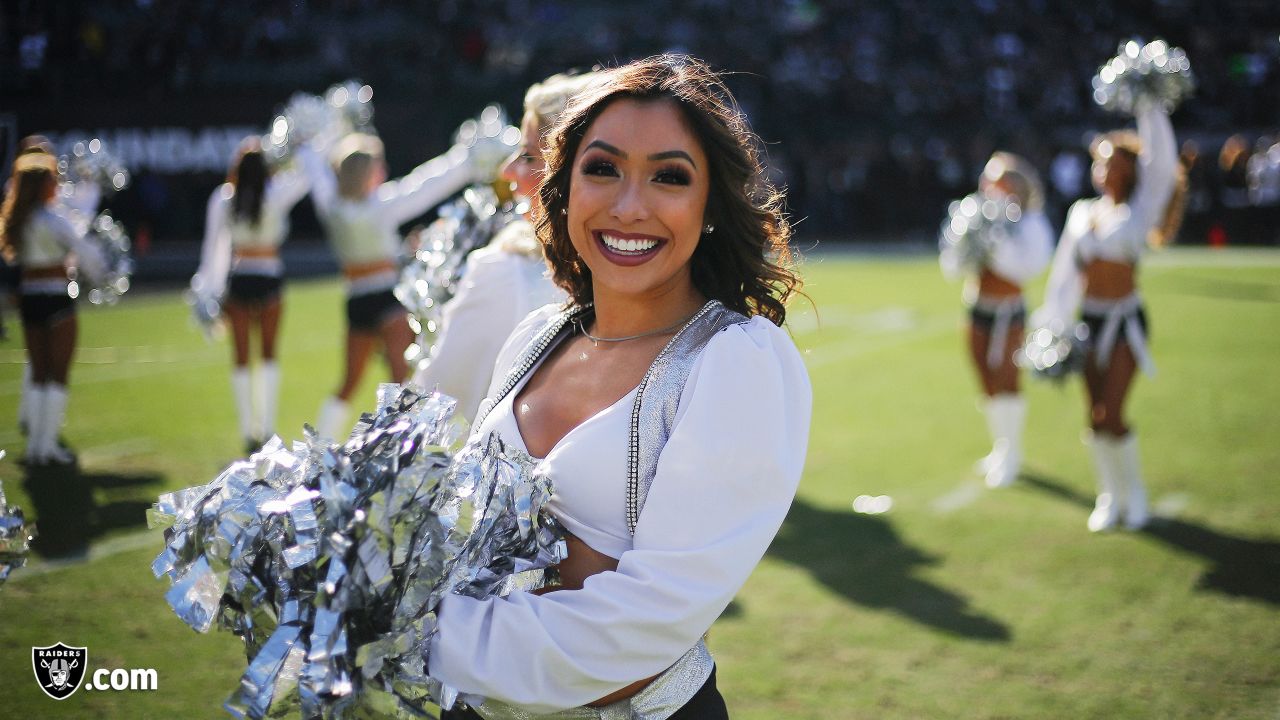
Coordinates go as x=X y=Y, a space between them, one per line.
x=746 y=262
x=33 y=172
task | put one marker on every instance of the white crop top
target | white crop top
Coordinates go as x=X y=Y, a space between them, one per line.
x=224 y=233
x=367 y=230
x=724 y=482
x=49 y=238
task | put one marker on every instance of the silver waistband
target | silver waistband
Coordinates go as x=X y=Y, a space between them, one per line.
x=1119 y=314
x=1003 y=311
x=659 y=700
x=270 y=267
x=375 y=283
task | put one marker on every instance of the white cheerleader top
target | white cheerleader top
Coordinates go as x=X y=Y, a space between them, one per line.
x=723 y=484
x=224 y=233
x=49 y=238
x=1101 y=229
x=367 y=230
x=500 y=285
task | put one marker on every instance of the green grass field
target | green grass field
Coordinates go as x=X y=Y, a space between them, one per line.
x=960 y=602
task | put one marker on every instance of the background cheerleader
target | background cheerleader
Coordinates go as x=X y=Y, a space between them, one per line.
x=1140 y=188
x=507 y=279
x=41 y=239
x=246 y=221
x=1012 y=251
x=361 y=213
x=74 y=195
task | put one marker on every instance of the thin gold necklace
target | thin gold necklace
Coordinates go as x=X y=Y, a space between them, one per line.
x=597 y=339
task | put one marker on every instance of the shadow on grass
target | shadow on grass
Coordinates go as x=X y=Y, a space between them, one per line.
x=1241 y=567
x=66 y=515
x=862 y=558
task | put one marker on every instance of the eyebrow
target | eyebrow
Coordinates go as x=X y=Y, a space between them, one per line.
x=666 y=155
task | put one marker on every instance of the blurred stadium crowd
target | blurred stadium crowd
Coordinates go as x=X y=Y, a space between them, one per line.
x=875 y=114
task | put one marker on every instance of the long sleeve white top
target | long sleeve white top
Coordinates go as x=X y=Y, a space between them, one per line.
x=48 y=238
x=367 y=230
x=1100 y=228
x=498 y=288
x=224 y=233
x=1017 y=257
x=724 y=483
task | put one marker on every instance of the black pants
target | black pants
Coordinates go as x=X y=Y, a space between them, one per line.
x=706 y=704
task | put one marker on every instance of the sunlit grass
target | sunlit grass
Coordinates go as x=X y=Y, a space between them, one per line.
x=958 y=602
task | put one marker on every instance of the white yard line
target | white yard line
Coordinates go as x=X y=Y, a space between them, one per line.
x=854 y=347
x=963 y=496
x=97 y=551
x=1209 y=257
x=115 y=451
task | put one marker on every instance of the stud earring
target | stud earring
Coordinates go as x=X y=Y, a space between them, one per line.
x=564 y=211
x=708 y=228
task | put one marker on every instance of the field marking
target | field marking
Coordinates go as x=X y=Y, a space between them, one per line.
x=963 y=496
x=854 y=347
x=118 y=355
x=1171 y=505
x=116 y=450
x=889 y=318
x=163 y=361
x=96 y=551
x=1208 y=257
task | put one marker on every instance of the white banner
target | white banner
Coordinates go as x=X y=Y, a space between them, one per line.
x=166 y=150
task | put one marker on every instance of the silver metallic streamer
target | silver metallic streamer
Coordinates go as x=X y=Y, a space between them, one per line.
x=1154 y=70
x=1054 y=351
x=90 y=161
x=330 y=562
x=112 y=244
x=15 y=537
x=430 y=278
x=343 y=109
x=206 y=310
x=489 y=139
x=975 y=224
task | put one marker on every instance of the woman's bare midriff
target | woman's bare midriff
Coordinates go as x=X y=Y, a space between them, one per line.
x=50 y=272
x=581 y=563
x=993 y=287
x=256 y=253
x=1107 y=280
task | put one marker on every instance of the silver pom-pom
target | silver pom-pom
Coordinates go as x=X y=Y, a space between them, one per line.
x=489 y=140
x=90 y=161
x=330 y=562
x=975 y=224
x=343 y=109
x=353 y=101
x=15 y=537
x=431 y=277
x=1054 y=351
x=112 y=244
x=206 y=309
x=1155 y=71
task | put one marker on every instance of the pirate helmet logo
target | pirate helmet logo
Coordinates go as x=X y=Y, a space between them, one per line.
x=59 y=669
